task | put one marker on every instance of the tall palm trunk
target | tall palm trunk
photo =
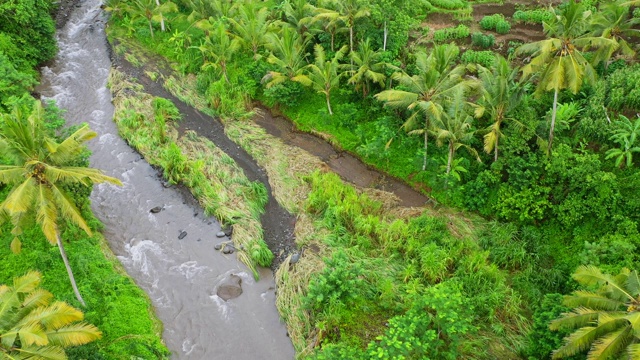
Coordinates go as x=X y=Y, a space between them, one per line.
x=351 y=38
x=426 y=144
x=72 y=279
x=553 y=119
x=451 y=153
x=384 y=41
x=151 y=29
x=328 y=95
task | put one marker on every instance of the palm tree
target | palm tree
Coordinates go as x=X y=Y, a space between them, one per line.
x=299 y=14
x=33 y=328
x=500 y=95
x=454 y=127
x=350 y=11
x=607 y=319
x=218 y=49
x=332 y=23
x=612 y=21
x=427 y=92
x=367 y=67
x=625 y=136
x=252 y=26
x=39 y=168
x=288 y=55
x=324 y=73
x=558 y=60
x=150 y=11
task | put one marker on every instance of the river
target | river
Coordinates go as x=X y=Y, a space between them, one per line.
x=179 y=275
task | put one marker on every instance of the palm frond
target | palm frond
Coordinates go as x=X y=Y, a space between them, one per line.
x=592 y=300
x=10 y=174
x=42 y=353
x=606 y=347
x=591 y=275
x=54 y=316
x=579 y=317
x=74 y=335
x=68 y=209
x=577 y=342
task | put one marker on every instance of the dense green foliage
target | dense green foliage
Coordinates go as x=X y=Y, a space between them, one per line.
x=495 y=22
x=553 y=204
x=535 y=16
x=26 y=40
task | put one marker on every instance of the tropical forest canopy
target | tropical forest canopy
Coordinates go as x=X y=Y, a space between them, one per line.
x=537 y=134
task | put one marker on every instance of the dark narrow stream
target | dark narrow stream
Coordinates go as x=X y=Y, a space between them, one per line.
x=180 y=275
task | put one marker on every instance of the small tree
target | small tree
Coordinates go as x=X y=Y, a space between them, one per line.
x=31 y=327
x=324 y=73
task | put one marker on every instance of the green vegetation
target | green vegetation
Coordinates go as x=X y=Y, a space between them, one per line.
x=608 y=319
x=33 y=327
x=495 y=22
x=483 y=41
x=453 y=33
x=535 y=16
x=551 y=186
x=26 y=40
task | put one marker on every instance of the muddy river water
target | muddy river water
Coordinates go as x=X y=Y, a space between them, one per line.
x=181 y=276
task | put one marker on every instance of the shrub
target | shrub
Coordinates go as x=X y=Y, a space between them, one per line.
x=495 y=22
x=503 y=27
x=339 y=281
x=484 y=58
x=536 y=16
x=449 y=4
x=481 y=40
x=447 y=34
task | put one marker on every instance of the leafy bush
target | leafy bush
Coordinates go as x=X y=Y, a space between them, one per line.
x=481 y=40
x=624 y=89
x=340 y=281
x=541 y=340
x=536 y=16
x=433 y=328
x=503 y=27
x=495 y=22
x=449 y=4
x=447 y=34
x=484 y=58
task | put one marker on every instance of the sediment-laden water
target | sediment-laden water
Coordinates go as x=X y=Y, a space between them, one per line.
x=180 y=275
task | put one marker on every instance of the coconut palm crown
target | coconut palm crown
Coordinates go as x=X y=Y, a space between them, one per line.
x=38 y=167
x=607 y=319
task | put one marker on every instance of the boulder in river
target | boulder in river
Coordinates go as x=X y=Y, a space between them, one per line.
x=220 y=234
x=182 y=235
x=230 y=288
x=228 y=231
x=228 y=249
x=156 y=209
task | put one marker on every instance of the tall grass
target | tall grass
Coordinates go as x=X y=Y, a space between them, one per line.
x=215 y=180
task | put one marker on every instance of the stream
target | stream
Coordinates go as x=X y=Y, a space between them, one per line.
x=180 y=275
